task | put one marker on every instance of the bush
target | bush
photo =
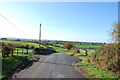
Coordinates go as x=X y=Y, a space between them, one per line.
x=43 y=51
x=36 y=50
x=76 y=51
x=6 y=50
x=107 y=58
x=32 y=47
x=68 y=45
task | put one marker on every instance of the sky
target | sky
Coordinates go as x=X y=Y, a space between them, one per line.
x=70 y=21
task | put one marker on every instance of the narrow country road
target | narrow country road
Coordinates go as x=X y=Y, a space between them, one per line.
x=56 y=65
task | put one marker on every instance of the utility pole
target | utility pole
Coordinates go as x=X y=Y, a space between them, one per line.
x=40 y=36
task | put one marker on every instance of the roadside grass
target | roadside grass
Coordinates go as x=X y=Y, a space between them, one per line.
x=78 y=54
x=11 y=63
x=69 y=53
x=24 y=43
x=93 y=71
x=87 y=46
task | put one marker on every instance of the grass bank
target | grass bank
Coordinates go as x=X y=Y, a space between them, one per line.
x=11 y=63
x=93 y=71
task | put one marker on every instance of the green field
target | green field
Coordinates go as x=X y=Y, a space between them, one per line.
x=87 y=46
x=60 y=45
x=58 y=49
x=89 y=51
x=24 y=43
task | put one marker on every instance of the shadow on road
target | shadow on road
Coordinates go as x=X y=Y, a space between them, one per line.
x=54 y=63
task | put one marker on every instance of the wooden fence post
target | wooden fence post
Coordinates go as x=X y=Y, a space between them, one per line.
x=86 y=52
x=27 y=51
x=22 y=50
x=12 y=52
x=17 y=51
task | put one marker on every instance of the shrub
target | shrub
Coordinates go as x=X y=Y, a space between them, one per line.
x=107 y=58
x=32 y=47
x=6 y=50
x=43 y=51
x=68 y=45
x=76 y=51
x=35 y=50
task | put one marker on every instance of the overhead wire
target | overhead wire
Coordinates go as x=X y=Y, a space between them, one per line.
x=14 y=25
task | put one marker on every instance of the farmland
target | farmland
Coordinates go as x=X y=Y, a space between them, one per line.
x=20 y=43
x=20 y=57
x=87 y=46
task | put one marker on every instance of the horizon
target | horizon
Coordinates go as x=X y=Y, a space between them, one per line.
x=67 y=21
x=13 y=38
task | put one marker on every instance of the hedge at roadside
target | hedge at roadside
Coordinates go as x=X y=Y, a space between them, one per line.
x=107 y=58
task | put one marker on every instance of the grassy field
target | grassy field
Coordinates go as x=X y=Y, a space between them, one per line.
x=21 y=43
x=11 y=63
x=89 y=51
x=94 y=71
x=87 y=46
x=60 y=45
x=58 y=49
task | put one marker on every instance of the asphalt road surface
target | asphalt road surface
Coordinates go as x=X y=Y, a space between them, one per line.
x=56 y=65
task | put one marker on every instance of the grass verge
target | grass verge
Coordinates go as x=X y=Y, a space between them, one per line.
x=11 y=63
x=93 y=71
x=78 y=54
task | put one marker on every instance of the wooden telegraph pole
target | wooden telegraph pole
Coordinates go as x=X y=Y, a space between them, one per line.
x=40 y=36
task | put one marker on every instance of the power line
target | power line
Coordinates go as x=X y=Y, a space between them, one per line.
x=13 y=25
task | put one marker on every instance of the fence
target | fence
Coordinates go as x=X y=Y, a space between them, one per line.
x=25 y=51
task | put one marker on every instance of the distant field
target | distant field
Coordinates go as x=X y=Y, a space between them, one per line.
x=58 y=49
x=87 y=46
x=60 y=45
x=88 y=50
x=21 y=43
